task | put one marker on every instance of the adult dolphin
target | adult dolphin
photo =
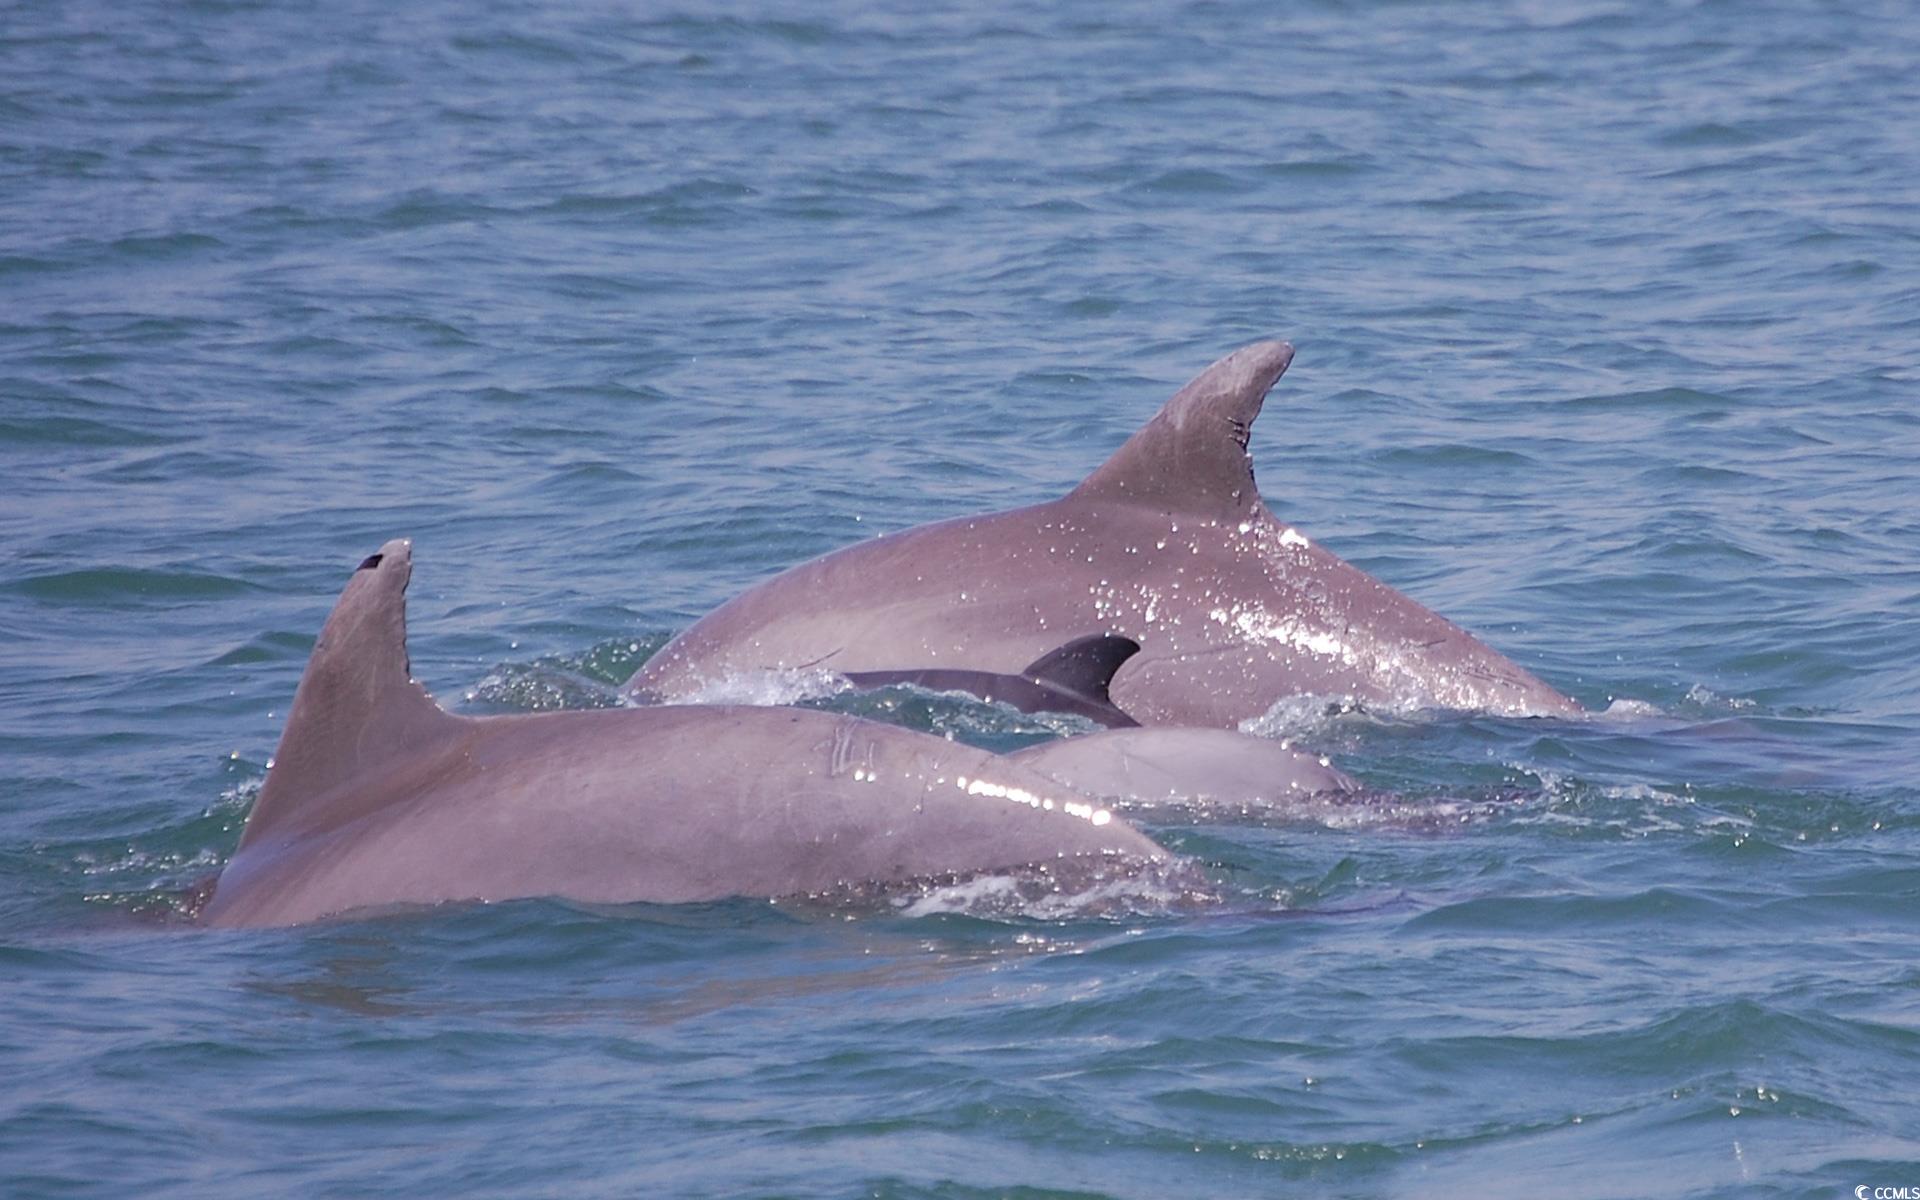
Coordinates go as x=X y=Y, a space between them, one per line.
x=1168 y=543
x=378 y=797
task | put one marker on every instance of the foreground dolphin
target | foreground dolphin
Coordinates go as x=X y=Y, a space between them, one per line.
x=378 y=797
x=1168 y=544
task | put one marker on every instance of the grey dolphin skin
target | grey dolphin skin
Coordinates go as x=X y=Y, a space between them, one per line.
x=1213 y=765
x=377 y=797
x=1168 y=544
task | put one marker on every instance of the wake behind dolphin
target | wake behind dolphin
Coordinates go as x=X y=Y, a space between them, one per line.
x=1167 y=544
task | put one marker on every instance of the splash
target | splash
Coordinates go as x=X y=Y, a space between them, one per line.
x=956 y=715
x=1623 y=708
x=1072 y=889
x=586 y=679
x=1080 y=888
x=541 y=686
x=1309 y=716
x=1347 y=812
x=767 y=688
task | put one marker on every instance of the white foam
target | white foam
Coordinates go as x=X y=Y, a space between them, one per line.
x=1624 y=709
x=1707 y=698
x=1310 y=715
x=767 y=689
x=1069 y=890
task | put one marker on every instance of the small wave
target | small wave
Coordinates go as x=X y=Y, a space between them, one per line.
x=540 y=686
x=1344 y=812
x=767 y=688
x=163 y=246
x=116 y=585
x=75 y=431
x=1080 y=888
x=1386 y=812
x=167 y=875
x=136 y=859
x=1707 y=700
x=587 y=679
x=1699 y=701
x=1677 y=400
x=1314 y=716
x=1622 y=708
x=956 y=715
x=1196 y=181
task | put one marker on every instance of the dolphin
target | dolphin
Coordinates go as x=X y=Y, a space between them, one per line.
x=377 y=797
x=1072 y=679
x=1168 y=544
x=1125 y=762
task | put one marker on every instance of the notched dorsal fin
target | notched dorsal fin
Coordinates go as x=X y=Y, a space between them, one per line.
x=1084 y=666
x=357 y=706
x=1192 y=457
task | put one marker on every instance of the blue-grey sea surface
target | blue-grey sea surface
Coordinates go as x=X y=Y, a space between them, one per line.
x=1608 y=317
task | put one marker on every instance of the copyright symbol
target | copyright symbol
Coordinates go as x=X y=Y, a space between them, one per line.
x=1861 y=1192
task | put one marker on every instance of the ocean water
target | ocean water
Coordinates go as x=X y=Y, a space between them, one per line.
x=1608 y=318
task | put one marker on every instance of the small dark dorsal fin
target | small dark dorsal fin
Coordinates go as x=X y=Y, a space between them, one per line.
x=1192 y=457
x=357 y=708
x=1084 y=666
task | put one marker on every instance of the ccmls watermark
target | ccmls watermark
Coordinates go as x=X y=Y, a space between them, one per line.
x=1906 y=1191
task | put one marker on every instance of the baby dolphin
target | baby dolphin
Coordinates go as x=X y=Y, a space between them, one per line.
x=378 y=797
x=1125 y=762
x=1167 y=544
x=1072 y=679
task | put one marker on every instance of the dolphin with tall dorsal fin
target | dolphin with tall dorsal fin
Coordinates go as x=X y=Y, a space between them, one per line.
x=377 y=797
x=1168 y=544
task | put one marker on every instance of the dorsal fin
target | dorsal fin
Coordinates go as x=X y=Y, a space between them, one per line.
x=1084 y=666
x=1192 y=457
x=357 y=706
